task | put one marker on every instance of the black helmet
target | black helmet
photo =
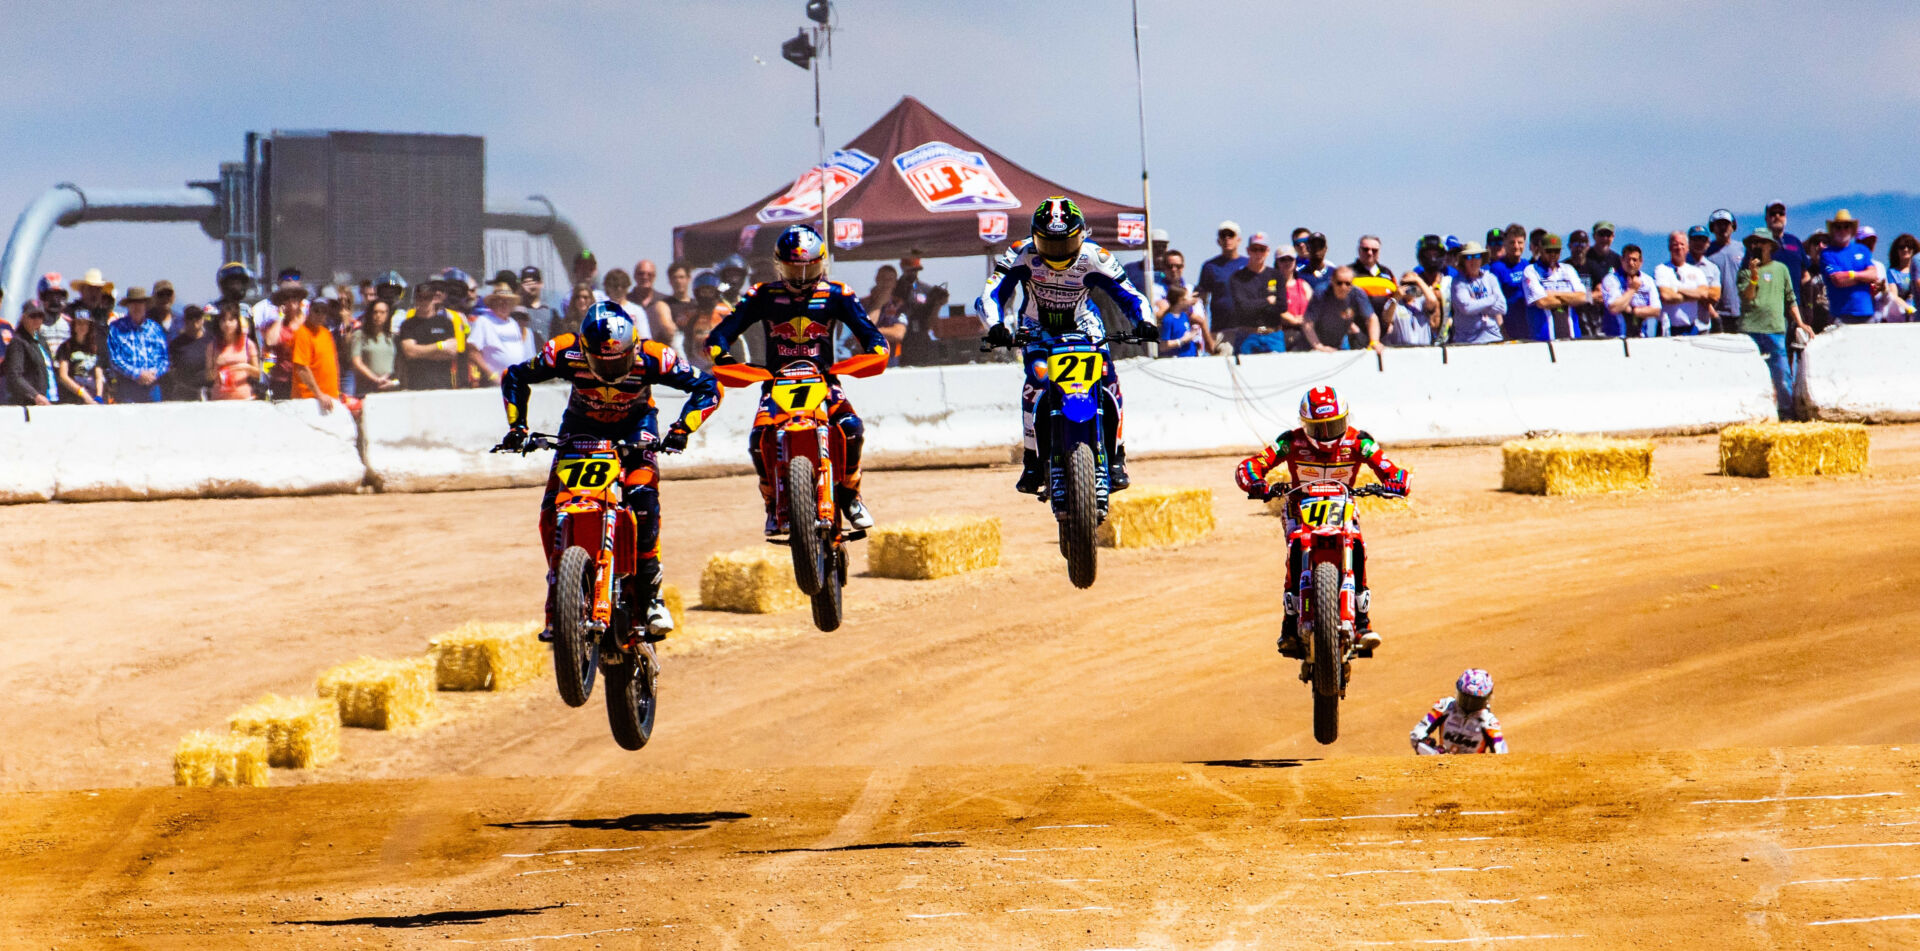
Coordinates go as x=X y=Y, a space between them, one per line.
x=390 y=278
x=1058 y=230
x=234 y=270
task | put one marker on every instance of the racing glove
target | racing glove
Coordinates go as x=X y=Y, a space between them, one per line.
x=515 y=440
x=999 y=336
x=676 y=439
x=720 y=356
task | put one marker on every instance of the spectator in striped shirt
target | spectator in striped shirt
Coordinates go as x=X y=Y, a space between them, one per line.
x=137 y=349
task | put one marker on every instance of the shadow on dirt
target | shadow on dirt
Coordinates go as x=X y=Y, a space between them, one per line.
x=866 y=847
x=638 y=822
x=1256 y=763
x=425 y=919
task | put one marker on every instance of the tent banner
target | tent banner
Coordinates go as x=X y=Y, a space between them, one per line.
x=945 y=178
x=848 y=233
x=993 y=226
x=844 y=169
x=1133 y=229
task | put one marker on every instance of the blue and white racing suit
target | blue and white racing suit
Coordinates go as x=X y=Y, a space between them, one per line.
x=1027 y=295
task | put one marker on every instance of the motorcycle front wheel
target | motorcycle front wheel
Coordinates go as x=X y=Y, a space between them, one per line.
x=631 y=698
x=574 y=660
x=1081 y=517
x=1326 y=652
x=803 y=526
x=827 y=601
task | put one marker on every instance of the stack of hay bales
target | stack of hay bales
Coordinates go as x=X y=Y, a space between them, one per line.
x=934 y=547
x=758 y=581
x=300 y=732
x=205 y=758
x=476 y=656
x=1576 y=465
x=1156 y=516
x=1785 y=450
x=381 y=694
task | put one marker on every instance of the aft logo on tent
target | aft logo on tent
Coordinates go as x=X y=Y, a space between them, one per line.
x=848 y=233
x=844 y=169
x=1133 y=230
x=993 y=225
x=945 y=178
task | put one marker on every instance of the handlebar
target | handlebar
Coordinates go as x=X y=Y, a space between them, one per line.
x=1022 y=339
x=1370 y=490
x=538 y=441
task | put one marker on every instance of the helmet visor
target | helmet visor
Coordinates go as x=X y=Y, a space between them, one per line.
x=1325 y=430
x=801 y=273
x=1058 y=248
x=610 y=369
x=1468 y=703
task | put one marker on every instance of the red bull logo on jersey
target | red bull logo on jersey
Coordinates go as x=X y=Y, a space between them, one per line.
x=800 y=329
x=944 y=178
x=993 y=226
x=843 y=170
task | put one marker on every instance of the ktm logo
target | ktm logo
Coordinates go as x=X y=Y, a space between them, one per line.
x=800 y=330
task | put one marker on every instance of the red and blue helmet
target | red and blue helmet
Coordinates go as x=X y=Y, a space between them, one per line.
x=800 y=257
x=607 y=339
x=1472 y=691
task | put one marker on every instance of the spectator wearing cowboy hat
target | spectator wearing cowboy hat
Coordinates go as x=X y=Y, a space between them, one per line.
x=137 y=352
x=1765 y=287
x=500 y=337
x=1847 y=268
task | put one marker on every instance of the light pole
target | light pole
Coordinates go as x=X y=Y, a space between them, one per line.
x=806 y=52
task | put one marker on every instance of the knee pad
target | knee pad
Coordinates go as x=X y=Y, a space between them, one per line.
x=1362 y=600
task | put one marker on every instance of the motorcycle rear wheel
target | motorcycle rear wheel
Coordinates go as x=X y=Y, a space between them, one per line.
x=1326 y=653
x=631 y=698
x=803 y=526
x=574 y=656
x=1082 y=517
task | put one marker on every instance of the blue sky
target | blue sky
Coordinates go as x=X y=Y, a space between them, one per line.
x=1396 y=118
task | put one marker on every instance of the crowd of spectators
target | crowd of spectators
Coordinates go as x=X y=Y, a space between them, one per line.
x=1533 y=285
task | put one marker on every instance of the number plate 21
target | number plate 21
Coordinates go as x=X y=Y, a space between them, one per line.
x=1075 y=372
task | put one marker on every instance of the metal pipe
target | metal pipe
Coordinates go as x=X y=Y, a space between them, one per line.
x=536 y=216
x=65 y=205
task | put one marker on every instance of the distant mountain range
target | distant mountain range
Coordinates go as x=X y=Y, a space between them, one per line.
x=1890 y=213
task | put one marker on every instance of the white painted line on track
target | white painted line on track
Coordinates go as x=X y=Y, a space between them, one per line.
x=549 y=871
x=1417 y=871
x=1083 y=825
x=1473 y=901
x=1861 y=921
x=535 y=855
x=1859 y=845
x=1016 y=911
x=1486 y=812
x=545 y=937
x=1492 y=937
x=1717 y=802
x=1383 y=815
x=1863 y=878
x=944 y=914
x=928 y=835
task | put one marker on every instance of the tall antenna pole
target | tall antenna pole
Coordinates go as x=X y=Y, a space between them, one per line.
x=820 y=131
x=1146 y=199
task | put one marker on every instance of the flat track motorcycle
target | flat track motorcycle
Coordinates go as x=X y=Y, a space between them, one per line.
x=803 y=460
x=599 y=609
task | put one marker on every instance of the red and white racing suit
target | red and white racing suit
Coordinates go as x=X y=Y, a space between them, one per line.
x=1307 y=462
x=1447 y=730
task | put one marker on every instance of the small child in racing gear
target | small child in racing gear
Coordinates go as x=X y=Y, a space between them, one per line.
x=613 y=373
x=798 y=312
x=1324 y=447
x=1041 y=285
x=1461 y=723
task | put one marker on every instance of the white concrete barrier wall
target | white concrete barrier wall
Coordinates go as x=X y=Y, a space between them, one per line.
x=439 y=440
x=190 y=450
x=1864 y=372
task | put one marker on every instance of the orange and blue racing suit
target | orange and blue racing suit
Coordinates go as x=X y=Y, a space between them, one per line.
x=799 y=326
x=620 y=410
x=1307 y=462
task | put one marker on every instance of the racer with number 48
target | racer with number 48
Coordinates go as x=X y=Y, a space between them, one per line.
x=613 y=373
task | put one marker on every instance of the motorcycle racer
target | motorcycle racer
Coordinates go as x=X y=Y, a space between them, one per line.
x=1324 y=447
x=1042 y=284
x=1462 y=722
x=798 y=312
x=613 y=373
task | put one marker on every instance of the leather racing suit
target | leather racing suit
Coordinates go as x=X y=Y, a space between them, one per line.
x=622 y=410
x=1306 y=462
x=799 y=326
x=1027 y=295
x=1446 y=729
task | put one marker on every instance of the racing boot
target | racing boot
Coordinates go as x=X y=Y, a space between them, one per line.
x=1117 y=470
x=1364 y=635
x=546 y=630
x=1032 y=479
x=659 y=619
x=1290 y=645
x=851 y=506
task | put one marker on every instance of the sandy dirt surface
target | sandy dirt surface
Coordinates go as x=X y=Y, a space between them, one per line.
x=1709 y=613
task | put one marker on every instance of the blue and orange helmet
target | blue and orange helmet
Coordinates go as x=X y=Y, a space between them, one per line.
x=608 y=339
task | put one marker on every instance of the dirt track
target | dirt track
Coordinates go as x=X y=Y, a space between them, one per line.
x=1709 y=613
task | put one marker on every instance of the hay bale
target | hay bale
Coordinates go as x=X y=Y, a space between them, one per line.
x=381 y=694
x=756 y=581
x=1785 y=450
x=1575 y=465
x=1156 y=516
x=301 y=732
x=477 y=656
x=676 y=605
x=933 y=547
x=205 y=758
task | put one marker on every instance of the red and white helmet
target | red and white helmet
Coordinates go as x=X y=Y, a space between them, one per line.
x=1323 y=417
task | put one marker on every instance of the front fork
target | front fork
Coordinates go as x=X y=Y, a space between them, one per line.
x=823 y=474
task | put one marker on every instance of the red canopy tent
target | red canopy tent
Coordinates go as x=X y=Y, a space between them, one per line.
x=913 y=183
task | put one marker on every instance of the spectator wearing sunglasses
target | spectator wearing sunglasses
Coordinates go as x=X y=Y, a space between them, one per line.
x=1313 y=268
x=1216 y=271
x=1341 y=317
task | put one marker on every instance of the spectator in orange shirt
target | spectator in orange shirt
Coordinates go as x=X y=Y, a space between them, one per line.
x=313 y=359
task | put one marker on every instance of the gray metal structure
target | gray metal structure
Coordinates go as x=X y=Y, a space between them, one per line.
x=331 y=203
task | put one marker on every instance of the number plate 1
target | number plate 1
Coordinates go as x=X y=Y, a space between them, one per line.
x=801 y=397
